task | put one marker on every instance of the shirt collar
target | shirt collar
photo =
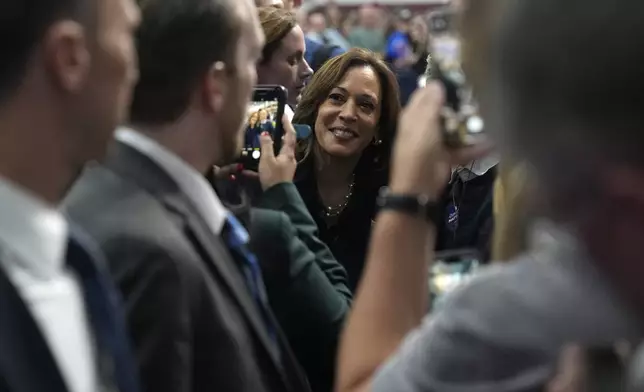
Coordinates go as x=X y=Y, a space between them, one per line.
x=477 y=168
x=31 y=230
x=192 y=183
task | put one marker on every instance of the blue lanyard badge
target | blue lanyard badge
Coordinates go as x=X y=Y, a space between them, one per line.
x=451 y=219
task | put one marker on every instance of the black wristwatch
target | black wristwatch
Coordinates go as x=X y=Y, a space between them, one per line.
x=416 y=205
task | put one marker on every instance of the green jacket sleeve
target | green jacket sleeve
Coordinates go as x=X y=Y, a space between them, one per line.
x=285 y=197
x=306 y=285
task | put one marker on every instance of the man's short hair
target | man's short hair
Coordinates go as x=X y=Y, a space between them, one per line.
x=317 y=10
x=23 y=23
x=571 y=82
x=177 y=42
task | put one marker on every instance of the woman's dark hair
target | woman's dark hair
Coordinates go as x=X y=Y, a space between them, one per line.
x=328 y=77
x=276 y=23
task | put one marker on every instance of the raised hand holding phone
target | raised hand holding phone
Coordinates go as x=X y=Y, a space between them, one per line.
x=274 y=169
x=421 y=163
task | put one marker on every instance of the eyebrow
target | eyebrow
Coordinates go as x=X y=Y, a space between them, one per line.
x=363 y=95
x=298 y=54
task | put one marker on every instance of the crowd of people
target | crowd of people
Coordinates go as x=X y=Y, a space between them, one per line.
x=396 y=34
x=138 y=254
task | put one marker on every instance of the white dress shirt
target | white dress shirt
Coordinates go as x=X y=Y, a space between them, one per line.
x=33 y=244
x=192 y=183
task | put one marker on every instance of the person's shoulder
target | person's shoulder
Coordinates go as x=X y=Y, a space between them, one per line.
x=102 y=197
x=476 y=338
x=124 y=220
x=502 y=330
x=337 y=51
x=539 y=300
x=311 y=43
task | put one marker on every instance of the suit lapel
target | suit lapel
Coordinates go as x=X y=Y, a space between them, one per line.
x=26 y=362
x=129 y=163
x=215 y=249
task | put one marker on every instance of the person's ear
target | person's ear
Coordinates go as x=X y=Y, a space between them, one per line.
x=215 y=88
x=66 y=55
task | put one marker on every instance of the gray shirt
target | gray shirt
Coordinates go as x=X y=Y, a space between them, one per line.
x=502 y=331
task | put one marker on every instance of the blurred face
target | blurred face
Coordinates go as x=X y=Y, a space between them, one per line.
x=317 y=23
x=334 y=14
x=263 y=115
x=252 y=120
x=418 y=30
x=370 y=17
x=348 y=118
x=240 y=79
x=114 y=71
x=287 y=66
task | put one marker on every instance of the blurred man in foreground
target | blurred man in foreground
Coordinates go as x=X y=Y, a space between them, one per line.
x=581 y=283
x=67 y=71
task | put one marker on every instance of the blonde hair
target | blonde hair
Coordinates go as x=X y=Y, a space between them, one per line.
x=276 y=23
x=512 y=215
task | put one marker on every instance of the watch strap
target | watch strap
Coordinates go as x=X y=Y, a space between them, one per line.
x=416 y=205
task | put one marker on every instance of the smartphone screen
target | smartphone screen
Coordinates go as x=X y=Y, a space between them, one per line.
x=264 y=114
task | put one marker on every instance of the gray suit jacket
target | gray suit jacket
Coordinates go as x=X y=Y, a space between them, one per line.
x=503 y=331
x=194 y=324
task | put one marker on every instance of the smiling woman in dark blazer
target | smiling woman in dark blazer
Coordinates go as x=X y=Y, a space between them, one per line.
x=352 y=105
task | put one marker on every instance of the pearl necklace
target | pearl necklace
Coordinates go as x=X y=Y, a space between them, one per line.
x=335 y=211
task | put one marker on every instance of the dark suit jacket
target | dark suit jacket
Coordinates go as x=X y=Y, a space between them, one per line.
x=192 y=319
x=26 y=362
x=306 y=285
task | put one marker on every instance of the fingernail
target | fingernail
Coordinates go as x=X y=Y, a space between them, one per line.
x=240 y=166
x=264 y=133
x=232 y=177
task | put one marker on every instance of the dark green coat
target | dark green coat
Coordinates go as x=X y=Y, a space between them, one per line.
x=306 y=286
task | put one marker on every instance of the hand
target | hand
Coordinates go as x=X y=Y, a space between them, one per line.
x=273 y=169
x=571 y=373
x=421 y=164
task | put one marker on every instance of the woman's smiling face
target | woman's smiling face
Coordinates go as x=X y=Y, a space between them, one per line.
x=347 y=120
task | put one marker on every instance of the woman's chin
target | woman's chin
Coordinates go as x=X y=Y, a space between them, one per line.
x=340 y=151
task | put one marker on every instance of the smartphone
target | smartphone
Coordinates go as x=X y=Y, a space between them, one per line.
x=462 y=125
x=449 y=270
x=264 y=114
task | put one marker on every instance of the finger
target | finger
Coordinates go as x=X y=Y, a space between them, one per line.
x=266 y=145
x=287 y=125
x=430 y=98
x=225 y=171
x=571 y=372
x=250 y=174
x=288 y=144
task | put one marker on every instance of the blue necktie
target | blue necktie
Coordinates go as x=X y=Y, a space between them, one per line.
x=115 y=357
x=237 y=239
